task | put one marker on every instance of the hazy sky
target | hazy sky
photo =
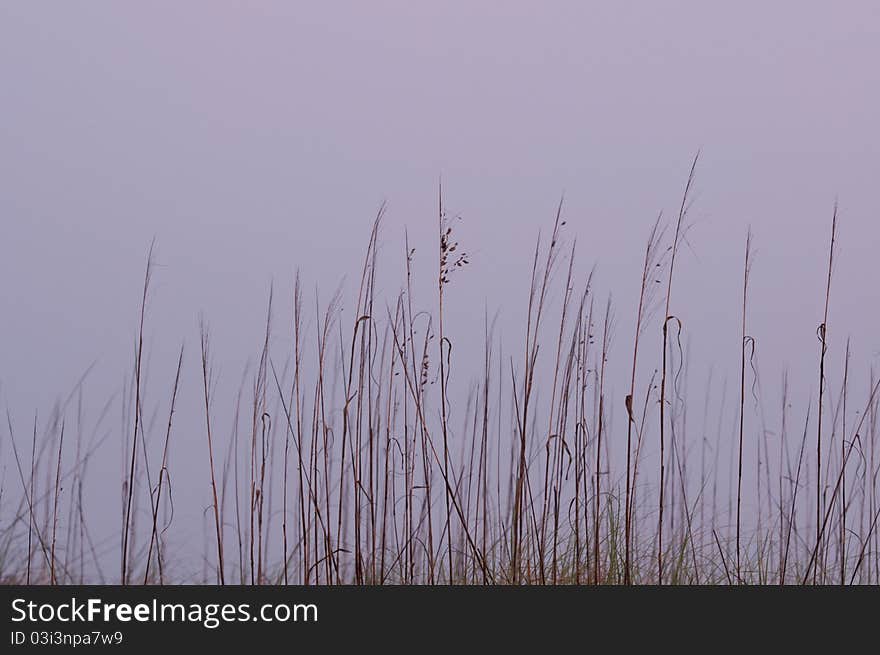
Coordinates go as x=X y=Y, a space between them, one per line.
x=254 y=138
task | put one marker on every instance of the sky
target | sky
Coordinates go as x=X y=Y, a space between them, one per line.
x=252 y=140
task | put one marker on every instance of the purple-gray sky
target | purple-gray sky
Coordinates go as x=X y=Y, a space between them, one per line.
x=252 y=139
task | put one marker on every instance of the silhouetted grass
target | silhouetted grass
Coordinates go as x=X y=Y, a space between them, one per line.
x=371 y=420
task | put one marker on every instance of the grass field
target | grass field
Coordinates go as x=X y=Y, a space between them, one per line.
x=354 y=458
